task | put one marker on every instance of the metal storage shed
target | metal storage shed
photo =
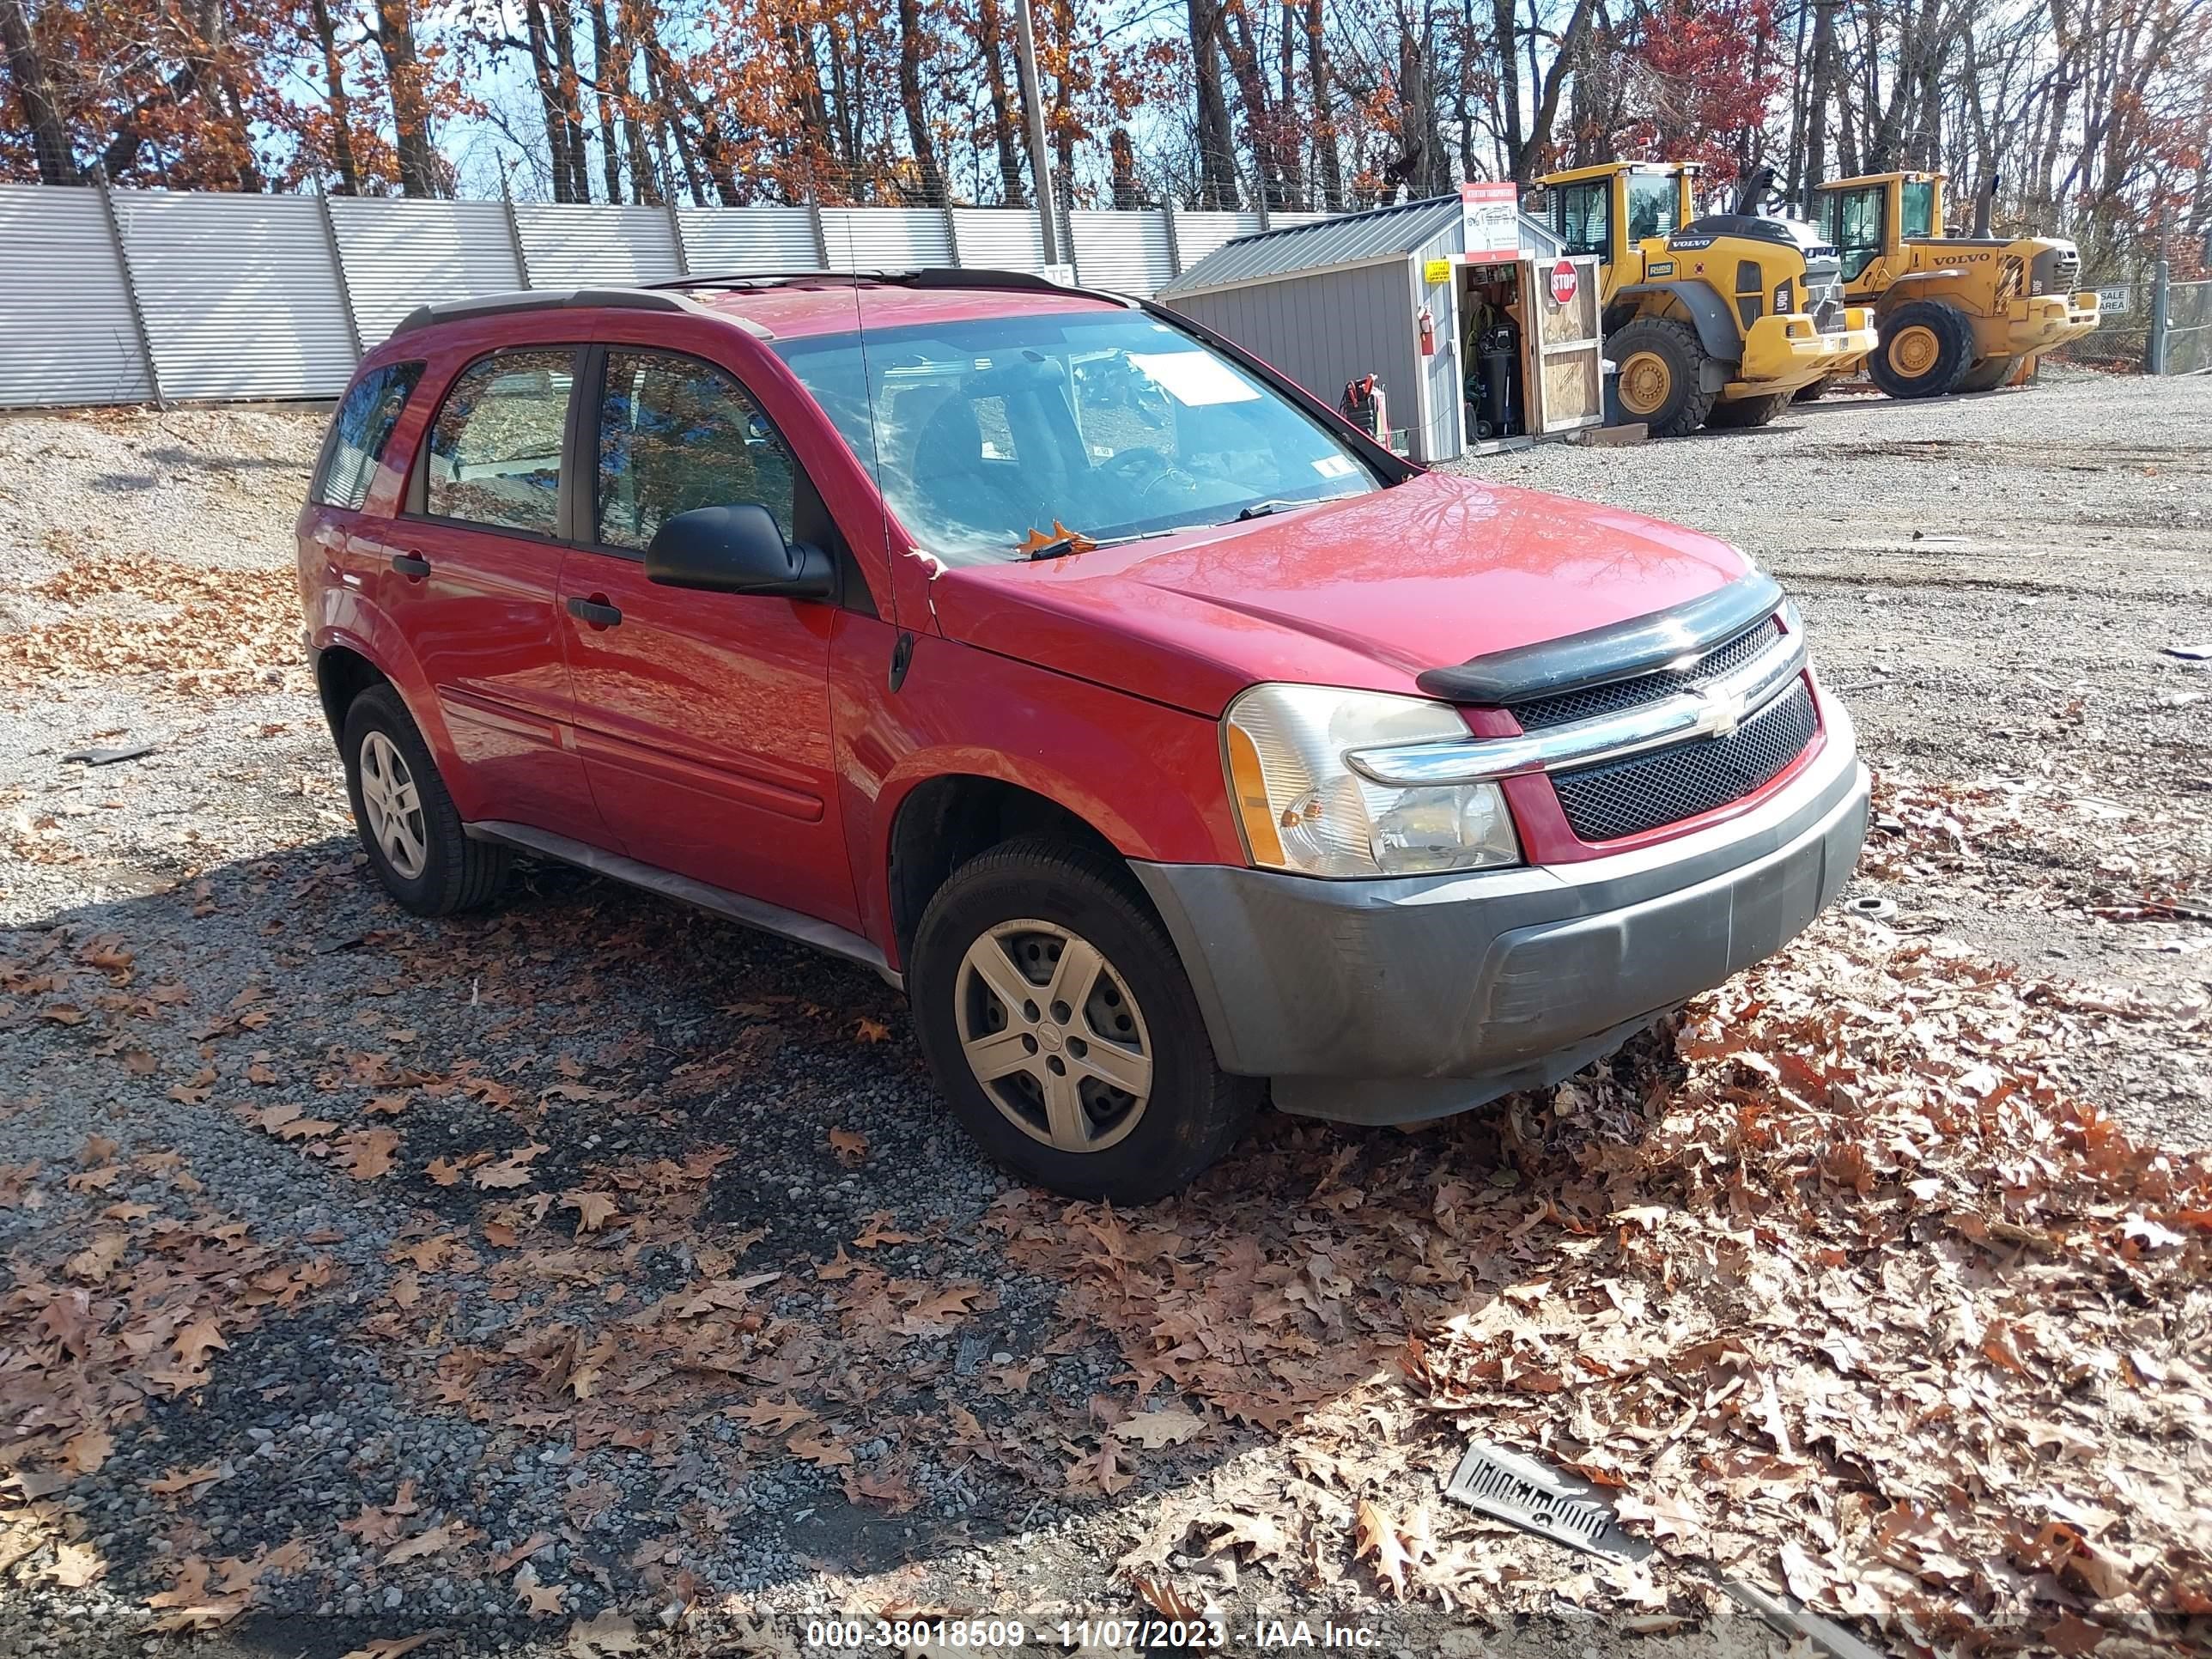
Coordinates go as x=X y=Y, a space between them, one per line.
x=1330 y=303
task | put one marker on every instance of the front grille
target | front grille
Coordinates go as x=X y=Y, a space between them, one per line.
x=1628 y=797
x=1596 y=700
x=2064 y=269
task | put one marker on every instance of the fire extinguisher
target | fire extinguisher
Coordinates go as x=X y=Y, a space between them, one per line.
x=1428 y=321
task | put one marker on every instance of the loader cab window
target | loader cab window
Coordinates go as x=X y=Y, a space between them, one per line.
x=1654 y=204
x=1583 y=215
x=1918 y=208
x=1851 y=219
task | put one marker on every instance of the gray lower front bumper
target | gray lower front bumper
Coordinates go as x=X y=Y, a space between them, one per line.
x=1393 y=1000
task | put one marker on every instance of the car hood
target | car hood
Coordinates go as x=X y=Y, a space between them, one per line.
x=1365 y=593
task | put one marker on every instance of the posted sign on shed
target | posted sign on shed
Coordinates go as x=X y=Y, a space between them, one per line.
x=1562 y=283
x=1492 y=213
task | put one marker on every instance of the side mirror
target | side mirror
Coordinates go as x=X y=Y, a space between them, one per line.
x=736 y=550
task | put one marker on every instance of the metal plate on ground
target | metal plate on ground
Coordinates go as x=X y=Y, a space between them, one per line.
x=1536 y=1497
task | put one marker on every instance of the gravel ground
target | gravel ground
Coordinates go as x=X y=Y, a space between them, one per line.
x=430 y=1180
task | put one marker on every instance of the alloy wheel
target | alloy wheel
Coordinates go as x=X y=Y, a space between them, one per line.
x=394 y=806
x=1051 y=1030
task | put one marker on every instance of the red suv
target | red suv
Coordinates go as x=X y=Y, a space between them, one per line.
x=1162 y=735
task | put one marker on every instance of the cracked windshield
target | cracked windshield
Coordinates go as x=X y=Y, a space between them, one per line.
x=1023 y=436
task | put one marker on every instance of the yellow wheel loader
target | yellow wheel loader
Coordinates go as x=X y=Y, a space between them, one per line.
x=1954 y=314
x=1718 y=319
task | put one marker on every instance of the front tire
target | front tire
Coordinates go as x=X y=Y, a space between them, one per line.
x=1661 y=373
x=1812 y=391
x=408 y=825
x=1060 y=1025
x=1923 y=350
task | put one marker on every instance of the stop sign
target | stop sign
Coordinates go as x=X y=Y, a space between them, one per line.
x=1562 y=283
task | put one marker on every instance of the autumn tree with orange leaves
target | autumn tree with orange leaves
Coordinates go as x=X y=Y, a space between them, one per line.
x=2095 y=114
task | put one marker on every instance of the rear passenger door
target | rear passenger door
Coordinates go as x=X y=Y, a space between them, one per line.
x=704 y=718
x=471 y=573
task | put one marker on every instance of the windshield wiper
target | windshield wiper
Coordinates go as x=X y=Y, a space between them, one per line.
x=1261 y=509
x=1063 y=545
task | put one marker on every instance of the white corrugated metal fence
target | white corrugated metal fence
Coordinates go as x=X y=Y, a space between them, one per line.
x=68 y=333
x=126 y=296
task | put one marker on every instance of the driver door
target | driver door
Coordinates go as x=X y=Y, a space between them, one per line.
x=702 y=719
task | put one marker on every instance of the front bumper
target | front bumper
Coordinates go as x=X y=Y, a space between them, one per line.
x=1785 y=351
x=1395 y=1000
x=2037 y=324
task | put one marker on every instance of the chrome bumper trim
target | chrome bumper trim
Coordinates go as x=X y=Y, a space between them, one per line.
x=1714 y=712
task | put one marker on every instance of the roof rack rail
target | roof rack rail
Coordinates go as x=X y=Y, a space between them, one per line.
x=898 y=276
x=522 y=299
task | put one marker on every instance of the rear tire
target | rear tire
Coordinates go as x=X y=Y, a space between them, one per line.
x=1812 y=391
x=1661 y=371
x=1748 y=411
x=408 y=825
x=1923 y=349
x=1988 y=374
x=991 y=994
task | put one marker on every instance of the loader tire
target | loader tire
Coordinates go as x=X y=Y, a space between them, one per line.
x=1924 y=350
x=1988 y=374
x=1812 y=391
x=1660 y=375
x=1748 y=411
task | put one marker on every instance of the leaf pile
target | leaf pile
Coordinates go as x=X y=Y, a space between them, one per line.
x=2057 y=834
x=200 y=628
x=124 y=1304
x=1854 y=1303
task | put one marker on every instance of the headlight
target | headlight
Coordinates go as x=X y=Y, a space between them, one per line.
x=1304 y=811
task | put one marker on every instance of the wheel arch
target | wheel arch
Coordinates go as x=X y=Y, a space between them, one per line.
x=1707 y=312
x=946 y=819
x=343 y=673
x=356 y=646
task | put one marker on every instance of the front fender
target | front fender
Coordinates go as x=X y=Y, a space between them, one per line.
x=1147 y=777
x=1708 y=314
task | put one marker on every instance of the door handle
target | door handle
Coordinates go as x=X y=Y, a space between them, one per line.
x=411 y=564
x=595 y=610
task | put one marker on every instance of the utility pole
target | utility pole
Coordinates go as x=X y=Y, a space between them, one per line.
x=1033 y=99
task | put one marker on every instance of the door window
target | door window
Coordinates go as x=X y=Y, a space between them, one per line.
x=496 y=446
x=677 y=433
x=1585 y=221
x=1854 y=224
x=1654 y=199
x=1918 y=208
x=361 y=431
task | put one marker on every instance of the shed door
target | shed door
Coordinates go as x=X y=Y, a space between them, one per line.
x=1570 y=373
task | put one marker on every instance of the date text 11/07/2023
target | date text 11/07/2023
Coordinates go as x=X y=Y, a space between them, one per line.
x=1001 y=1635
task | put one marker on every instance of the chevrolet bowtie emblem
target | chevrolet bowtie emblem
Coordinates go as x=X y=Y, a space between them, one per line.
x=1722 y=714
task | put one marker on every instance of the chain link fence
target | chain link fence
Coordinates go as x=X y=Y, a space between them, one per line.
x=2117 y=343
x=2183 y=320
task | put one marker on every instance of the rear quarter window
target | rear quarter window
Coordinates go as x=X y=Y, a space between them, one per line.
x=359 y=432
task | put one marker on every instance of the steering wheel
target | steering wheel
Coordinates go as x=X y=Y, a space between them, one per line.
x=1145 y=470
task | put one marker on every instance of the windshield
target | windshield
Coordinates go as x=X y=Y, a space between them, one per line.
x=995 y=437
